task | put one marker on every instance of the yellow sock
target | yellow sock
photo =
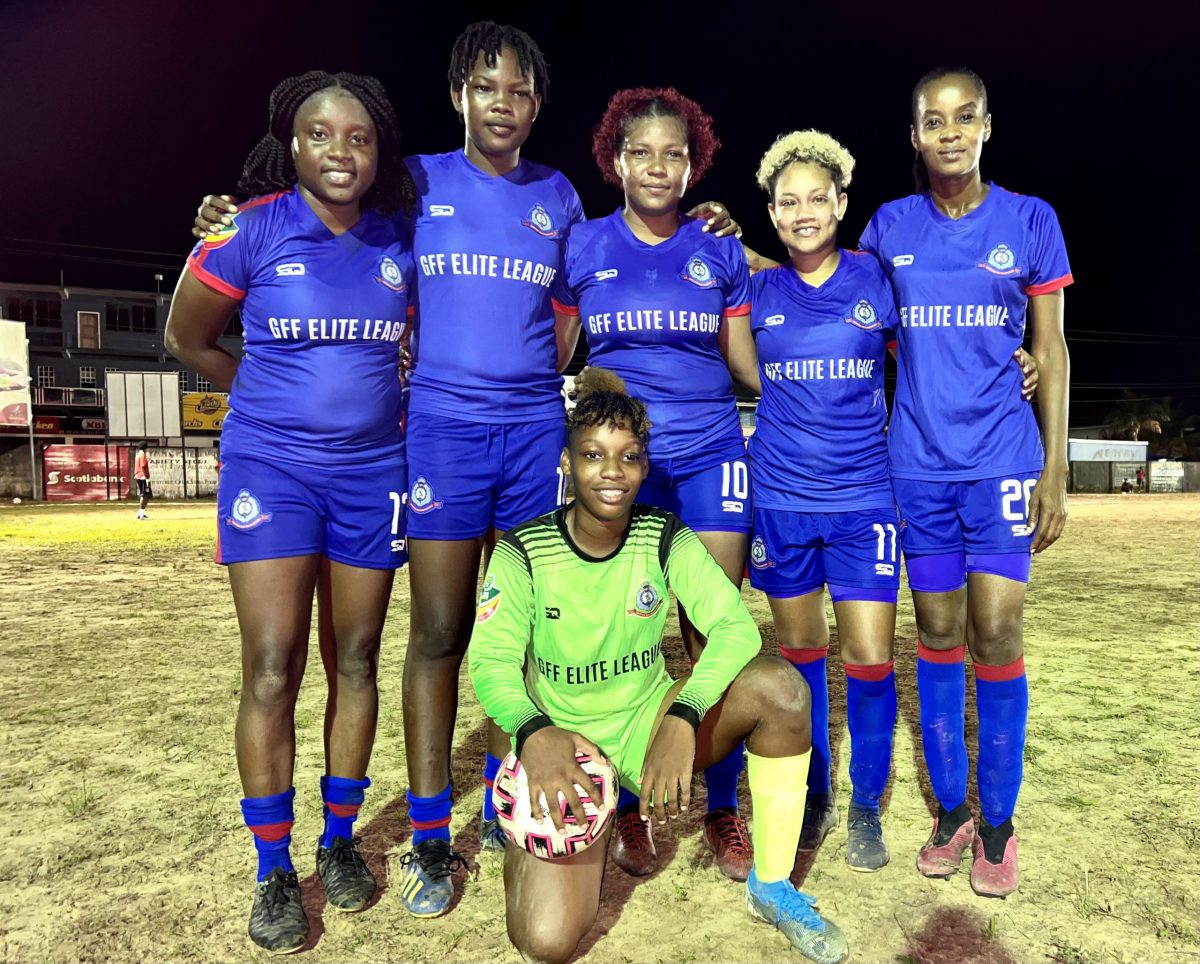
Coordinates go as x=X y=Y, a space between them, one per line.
x=778 y=789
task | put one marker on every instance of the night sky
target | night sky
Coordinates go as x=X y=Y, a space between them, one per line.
x=120 y=116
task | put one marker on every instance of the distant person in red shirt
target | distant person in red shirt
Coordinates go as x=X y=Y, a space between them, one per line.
x=1141 y=480
x=141 y=475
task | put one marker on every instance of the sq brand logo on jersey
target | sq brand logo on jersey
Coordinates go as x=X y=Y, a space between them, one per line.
x=1001 y=261
x=864 y=316
x=390 y=275
x=773 y=320
x=646 y=603
x=489 y=601
x=606 y=274
x=292 y=269
x=441 y=210
x=698 y=273
x=539 y=220
x=902 y=260
x=246 y=511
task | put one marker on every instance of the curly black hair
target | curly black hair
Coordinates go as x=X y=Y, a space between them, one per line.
x=602 y=399
x=270 y=167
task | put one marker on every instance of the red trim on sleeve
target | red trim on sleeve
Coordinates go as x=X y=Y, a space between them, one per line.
x=870 y=674
x=738 y=312
x=803 y=655
x=1046 y=287
x=1000 y=674
x=945 y=656
x=562 y=309
x=210 y=280
x=892 y=345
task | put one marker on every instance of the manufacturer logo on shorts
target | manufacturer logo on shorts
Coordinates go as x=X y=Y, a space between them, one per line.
x=884 y=569
x=489 y=601
x=421 y=499
x=539 y=220
x=390 y=275
x=758 y=554
x=1002 y=261
x=772 y=320
x=698 y=273
x=606 y=274
x=647 y=603
x=732 y=505
x=292 y=269
x=864 y=316
x=246 y=512
x=902 y=260
x=441 y=210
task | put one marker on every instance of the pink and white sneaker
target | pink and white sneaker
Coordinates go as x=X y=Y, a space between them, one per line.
x=995 y=880
x=942 y=853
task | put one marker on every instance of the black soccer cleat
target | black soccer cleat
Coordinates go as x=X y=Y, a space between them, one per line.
x=349 y=885
x=277 y=921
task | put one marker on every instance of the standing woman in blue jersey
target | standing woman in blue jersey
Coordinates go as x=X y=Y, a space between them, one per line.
x=814 y=349
x=313 y=471
x=654 y=292
x=978 y=488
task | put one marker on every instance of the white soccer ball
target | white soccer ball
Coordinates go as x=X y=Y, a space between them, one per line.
x=16 y=500
x=538 y=835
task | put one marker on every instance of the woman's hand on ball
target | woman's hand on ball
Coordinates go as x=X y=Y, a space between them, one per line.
x=548 y=757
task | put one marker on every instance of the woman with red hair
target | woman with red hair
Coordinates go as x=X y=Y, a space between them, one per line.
x=653 y=289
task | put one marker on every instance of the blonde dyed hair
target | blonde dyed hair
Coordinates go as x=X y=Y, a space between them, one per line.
x=805 y=147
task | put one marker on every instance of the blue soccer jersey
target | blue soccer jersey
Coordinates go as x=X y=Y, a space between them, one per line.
x=820 y=443
x=488 y=250
x=962 y=288
x=653 y=314
x=322 y=314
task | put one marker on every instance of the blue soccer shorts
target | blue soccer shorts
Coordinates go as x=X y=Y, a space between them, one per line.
x=856 y=553
x=466 y=478
x=948 y=529
x=352 y=514
x=707 y=497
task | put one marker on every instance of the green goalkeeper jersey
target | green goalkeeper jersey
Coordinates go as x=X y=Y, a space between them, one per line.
x=559 y=634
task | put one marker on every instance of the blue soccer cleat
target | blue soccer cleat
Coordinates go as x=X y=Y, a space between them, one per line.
x=795 y=914
x=426 y=889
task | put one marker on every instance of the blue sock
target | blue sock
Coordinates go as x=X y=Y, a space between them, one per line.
x=627 y=798
x=270 y=820
x=1002 y=696
x=721 y=780
x=942 y=688
x=871 y=715
x=491 y=766
x=811 y=664
x=429 y=816
x=342 y=798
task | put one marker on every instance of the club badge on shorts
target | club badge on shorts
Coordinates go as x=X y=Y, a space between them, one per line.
x=246 y=512
x=420 y=499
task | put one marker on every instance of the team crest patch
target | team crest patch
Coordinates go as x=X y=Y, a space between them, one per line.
x=489 y=601
x=864 y=316
x=246 y=512
x=539 y=220
x=698 y=272
x=758 y=554
x=221 y=235
x=390 y=275
x=1002 y=261
x=647 y=603
x=421 y=499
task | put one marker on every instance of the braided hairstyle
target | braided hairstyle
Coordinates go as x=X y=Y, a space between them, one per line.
x=270 y=166
x=920 y=170
x=488 y=38
x=602 y=399
x=627 y=107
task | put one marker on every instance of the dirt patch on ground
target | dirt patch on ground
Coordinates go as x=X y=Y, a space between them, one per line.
x=124 y=841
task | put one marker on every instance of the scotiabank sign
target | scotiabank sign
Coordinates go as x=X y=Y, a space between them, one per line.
x=85 y=473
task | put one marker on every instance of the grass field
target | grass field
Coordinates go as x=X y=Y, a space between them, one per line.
x=124 y=841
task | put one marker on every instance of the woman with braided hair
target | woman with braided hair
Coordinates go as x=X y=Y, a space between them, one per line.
x=312 y=482
x=594 y=680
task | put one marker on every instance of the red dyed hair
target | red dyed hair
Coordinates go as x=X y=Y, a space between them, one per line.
x=637 y=103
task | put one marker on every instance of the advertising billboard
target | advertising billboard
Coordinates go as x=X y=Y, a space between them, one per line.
x=14 y=375
x=204 y=411
x=85 y=473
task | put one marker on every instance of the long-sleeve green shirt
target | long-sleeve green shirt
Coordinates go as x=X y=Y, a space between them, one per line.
x=578 y=639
